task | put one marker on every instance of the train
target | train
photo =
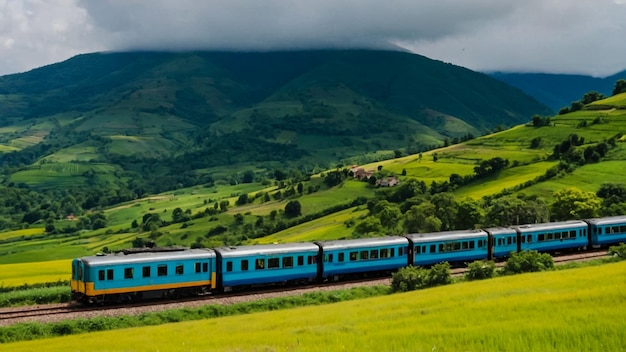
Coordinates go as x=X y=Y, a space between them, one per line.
x=177 y=272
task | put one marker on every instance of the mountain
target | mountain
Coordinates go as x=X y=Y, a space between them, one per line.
x=166 y=119
x=559 y=90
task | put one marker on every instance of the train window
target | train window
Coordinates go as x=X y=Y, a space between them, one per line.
x=162 y=270
x=572 y=234
x=259 y=264
x=440 y=247
x=229 y=266
x=300 y=260
x=514 y=239
x=180 y=269
x=198 y=267
x=101 y=275
x=523 y=238
x=109 y=274
x=418 y=250
x=622 y=228
x=353 y=256
x=509 y=240
x=312 y=259
x=540 y=237
x=457 y=246
x=128 y=273
x=384 y=253
x=287 y=262
x=392 y=252
x=464 y=245
x=273 y=263
x=330 y=258
x=364 y=255
x=374 y=254
x=340 y=257
x=146 y=271
x=244 y=265
x=205 y=267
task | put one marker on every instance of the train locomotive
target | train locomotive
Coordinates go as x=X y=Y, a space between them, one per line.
x=129 y=275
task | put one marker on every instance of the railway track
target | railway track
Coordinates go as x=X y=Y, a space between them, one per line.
x=58 y=312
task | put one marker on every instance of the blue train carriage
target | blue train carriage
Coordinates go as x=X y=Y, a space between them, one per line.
x=553 y=236
x=605 y=231
x=266 y=264
x=122 y=277
x=348 y=257
x=450 y=246
x=502 y=241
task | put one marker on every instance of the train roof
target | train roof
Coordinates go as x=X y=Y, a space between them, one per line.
x=266 y=249
x=559 y=225
x=612 y=220
x=148 y=257
x=363 y=242
x=501 y=230
x=446 y=235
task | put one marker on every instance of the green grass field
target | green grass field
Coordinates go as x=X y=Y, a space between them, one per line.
x=570 y=310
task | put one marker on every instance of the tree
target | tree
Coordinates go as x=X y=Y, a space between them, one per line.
x=389 y=218
x=620 y=87
x=293 y=209
x=248 y=177
x=369 y=227
x=592 y=96
x=469 y=214
x=242 y=200
x=572 y=204
x=612 y=193
x=414 y=220
x=446 y=209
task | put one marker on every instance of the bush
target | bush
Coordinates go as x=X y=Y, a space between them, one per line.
x=480 y=270
x=618 y=251
x=409 y=279
x=528 y=261
x=439 y=274
x=414 y=277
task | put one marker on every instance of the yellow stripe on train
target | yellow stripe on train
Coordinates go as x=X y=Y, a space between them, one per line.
x=91 y=291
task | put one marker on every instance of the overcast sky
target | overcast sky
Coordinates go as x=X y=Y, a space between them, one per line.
x=555 y=36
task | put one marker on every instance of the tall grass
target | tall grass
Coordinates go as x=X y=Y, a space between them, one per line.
x=573 y=310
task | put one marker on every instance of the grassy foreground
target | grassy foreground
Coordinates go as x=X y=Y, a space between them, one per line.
x=572 y=310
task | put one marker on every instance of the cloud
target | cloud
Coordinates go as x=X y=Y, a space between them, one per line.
x=532 y=35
